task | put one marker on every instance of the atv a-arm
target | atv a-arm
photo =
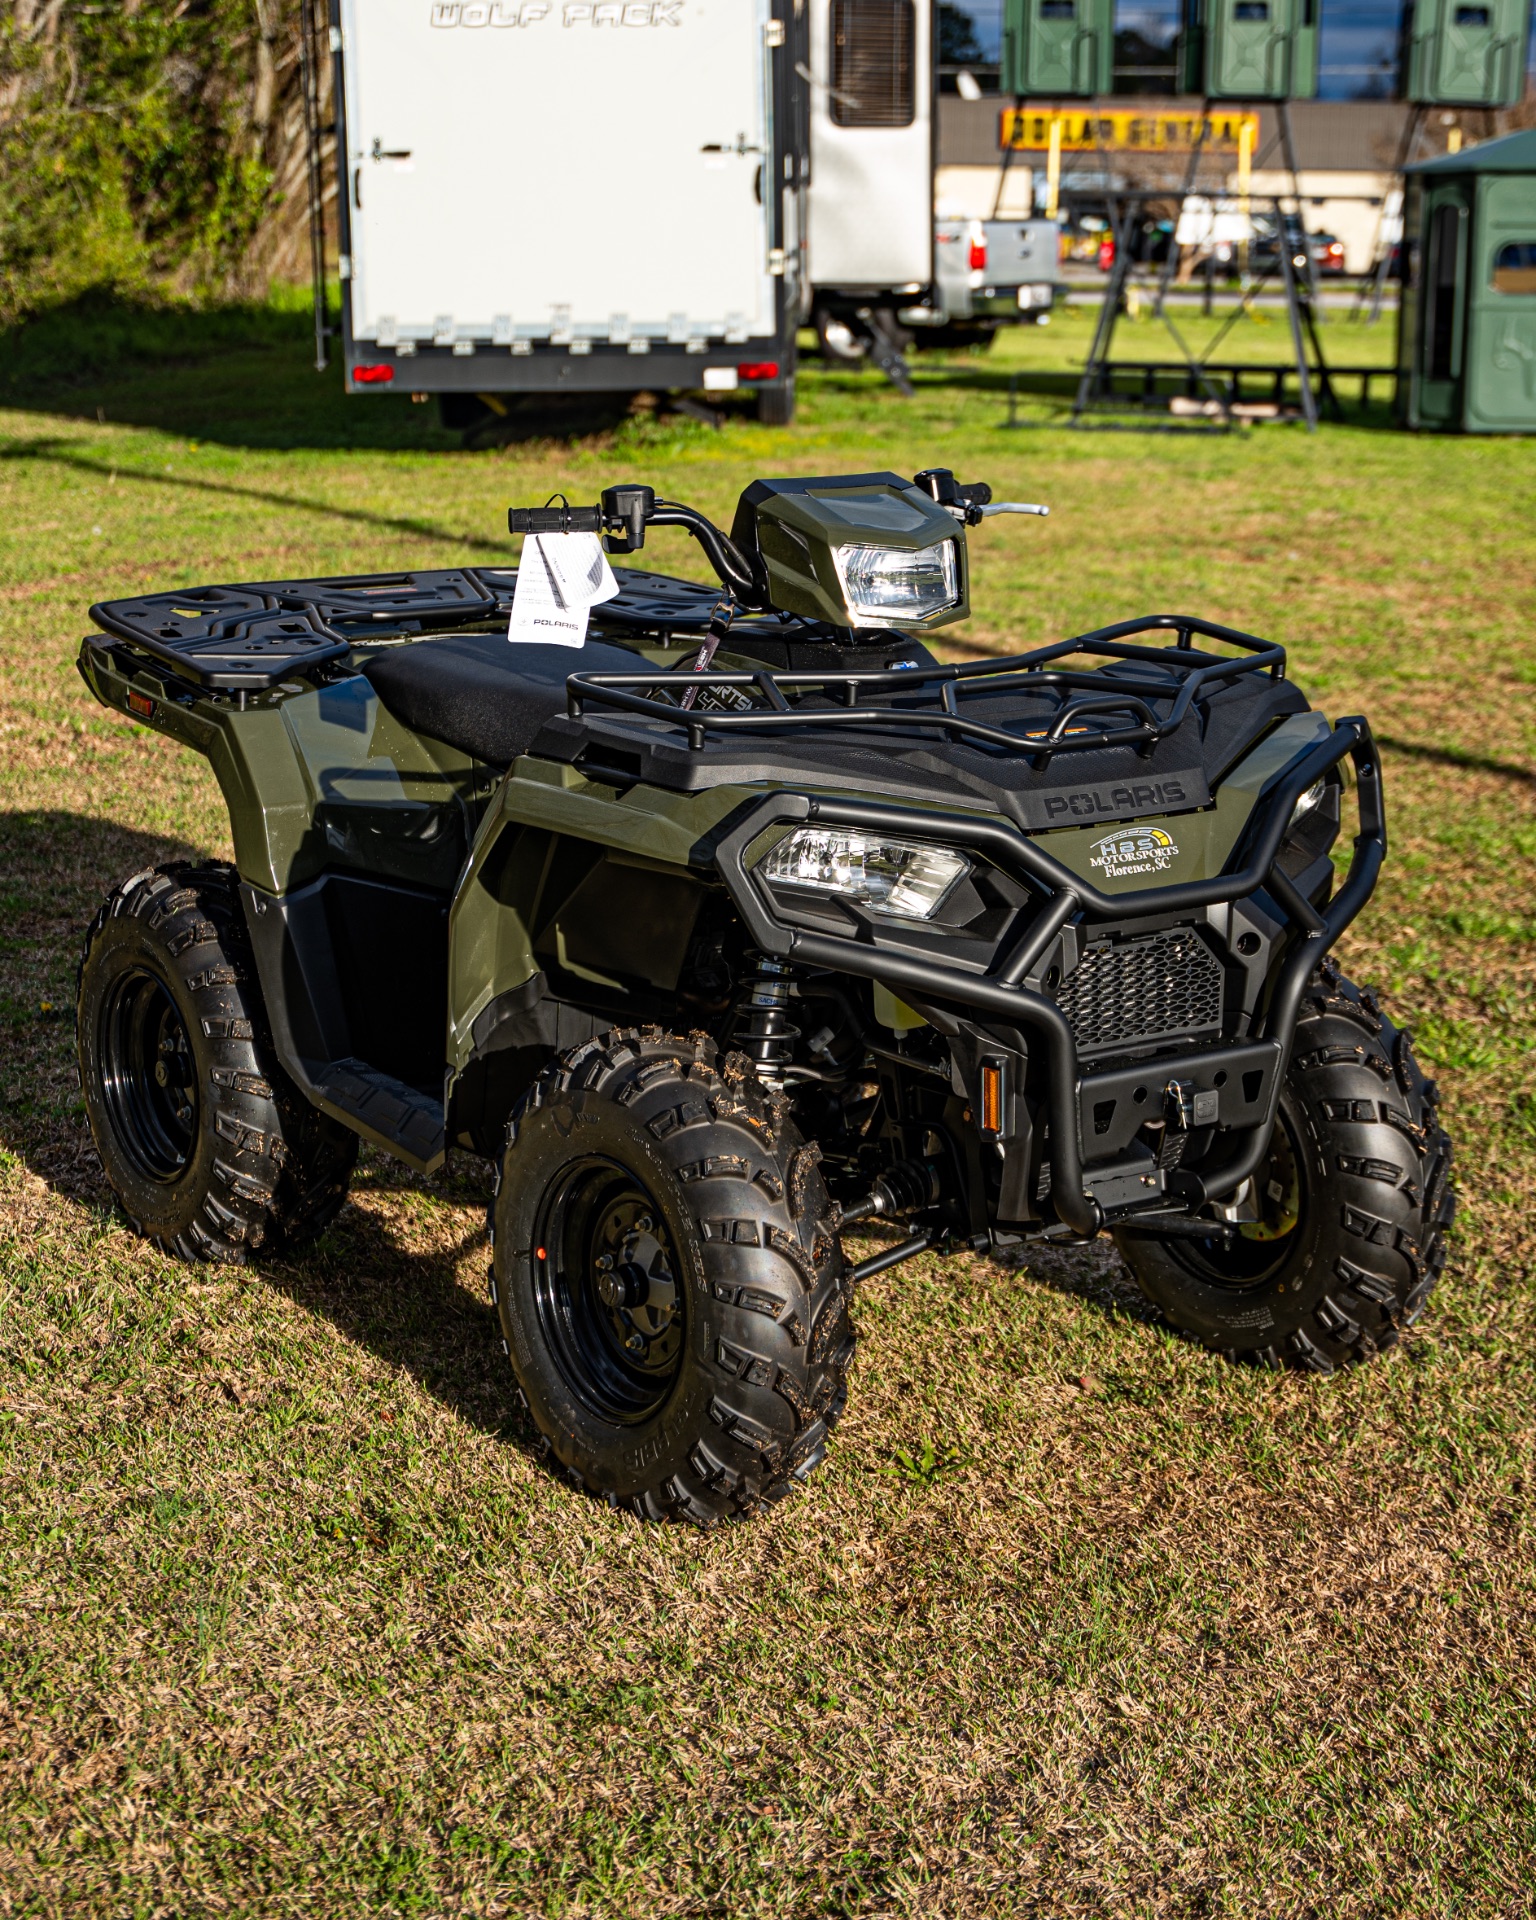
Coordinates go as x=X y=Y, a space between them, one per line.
x=998 y=1003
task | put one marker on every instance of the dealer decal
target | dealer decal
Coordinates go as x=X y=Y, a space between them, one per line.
x=1132 y=850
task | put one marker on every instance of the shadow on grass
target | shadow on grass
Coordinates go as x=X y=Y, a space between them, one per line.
x=378 y=1280
x=1454 y=757
x=61 y=453
x=244 y=376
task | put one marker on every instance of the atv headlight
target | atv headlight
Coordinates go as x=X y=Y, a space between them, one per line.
x=1309 y=801
x=888 y=876
x=889 y=583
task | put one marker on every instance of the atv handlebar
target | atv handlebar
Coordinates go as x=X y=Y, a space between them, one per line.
x=624 y=513
x=622 y=517
x=554 y=520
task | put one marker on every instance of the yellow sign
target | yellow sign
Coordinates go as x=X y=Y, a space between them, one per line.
x=1028 y=128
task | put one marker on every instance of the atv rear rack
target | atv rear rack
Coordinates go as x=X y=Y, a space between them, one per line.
x=998 y=1000
x=1087 y=701
x=248 y=638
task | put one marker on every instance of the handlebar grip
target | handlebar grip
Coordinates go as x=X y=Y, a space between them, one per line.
x=554 y=519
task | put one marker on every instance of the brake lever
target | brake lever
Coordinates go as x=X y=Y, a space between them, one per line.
x=1010 y=506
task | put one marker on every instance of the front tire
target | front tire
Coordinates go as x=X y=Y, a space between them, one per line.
x=1352 y=1206
x=669 y=1279
x=209 y=1147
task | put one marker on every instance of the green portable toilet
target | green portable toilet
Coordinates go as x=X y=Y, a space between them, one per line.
x=1467 y=331
x=1465 y=53
x=1249 y=49
x=1058 y=49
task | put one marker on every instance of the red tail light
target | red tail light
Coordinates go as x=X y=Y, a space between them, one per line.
x=375 y=376
x=978 y=256
x=758 y=370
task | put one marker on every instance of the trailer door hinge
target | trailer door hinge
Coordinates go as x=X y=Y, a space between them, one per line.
x=773 y=34
x=775 y=259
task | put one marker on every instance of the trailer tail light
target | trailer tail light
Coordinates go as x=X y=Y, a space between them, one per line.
x=375 y=376
x=758 y=370
x=991 y=1096
x=979 y=255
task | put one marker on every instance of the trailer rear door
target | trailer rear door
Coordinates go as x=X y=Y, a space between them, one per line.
x=535 y=170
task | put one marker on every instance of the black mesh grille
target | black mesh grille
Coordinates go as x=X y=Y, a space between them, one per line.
x=873 y=79
x=1124 y=992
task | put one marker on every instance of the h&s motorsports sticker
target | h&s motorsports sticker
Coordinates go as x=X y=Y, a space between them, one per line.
x=1133 y=850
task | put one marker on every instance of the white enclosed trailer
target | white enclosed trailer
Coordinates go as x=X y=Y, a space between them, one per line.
x=869 y=229
x=539 y=196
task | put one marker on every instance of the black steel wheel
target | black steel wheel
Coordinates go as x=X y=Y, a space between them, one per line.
x=148 y=1075
x=605 y=1285
x=669 y=1279
x=208 y=1146
x=1337 y=1243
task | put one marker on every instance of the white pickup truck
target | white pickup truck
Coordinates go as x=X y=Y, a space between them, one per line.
x=991 y=273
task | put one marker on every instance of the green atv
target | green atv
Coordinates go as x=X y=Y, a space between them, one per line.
x=759 y=925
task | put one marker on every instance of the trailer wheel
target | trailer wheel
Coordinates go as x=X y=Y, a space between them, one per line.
x=776 y=404
x=840 y=343
x=210 y=1148
x=1352 y=1206
x=669 y=1279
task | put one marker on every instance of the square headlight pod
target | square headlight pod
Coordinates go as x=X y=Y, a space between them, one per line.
x=896 y=878
x=896 y=583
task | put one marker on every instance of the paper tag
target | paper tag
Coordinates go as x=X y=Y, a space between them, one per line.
x=560 y=577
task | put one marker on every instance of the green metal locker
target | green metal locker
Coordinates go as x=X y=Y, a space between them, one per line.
x=1466 y=53
x=1467 y=334
x=1249 y=49
x=1060 y=49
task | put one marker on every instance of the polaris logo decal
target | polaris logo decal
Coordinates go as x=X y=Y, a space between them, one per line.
x=1122 y=800
x=1132 y=850
x=1085 y=802
x=528 y=13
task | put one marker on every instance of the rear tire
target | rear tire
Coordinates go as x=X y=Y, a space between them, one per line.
x=776 y=404
x=669 y=1279
x=210 y=1148
x=1354 y=1203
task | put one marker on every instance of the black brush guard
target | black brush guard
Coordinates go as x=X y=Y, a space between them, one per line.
x=998 y=996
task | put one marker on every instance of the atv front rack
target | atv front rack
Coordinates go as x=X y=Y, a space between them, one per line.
x=999 y=1001
x=1086 y=708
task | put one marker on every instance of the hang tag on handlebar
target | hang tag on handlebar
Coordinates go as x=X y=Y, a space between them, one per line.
x=560 y=578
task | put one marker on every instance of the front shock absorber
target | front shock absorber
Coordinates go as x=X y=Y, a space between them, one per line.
x=765 y=1032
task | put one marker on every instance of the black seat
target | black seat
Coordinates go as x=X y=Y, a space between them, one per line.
x=482 y=693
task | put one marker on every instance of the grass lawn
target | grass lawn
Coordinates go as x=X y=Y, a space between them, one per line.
x=1077 y=1619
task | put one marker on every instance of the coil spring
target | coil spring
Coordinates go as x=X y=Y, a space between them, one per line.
x=765 y=1032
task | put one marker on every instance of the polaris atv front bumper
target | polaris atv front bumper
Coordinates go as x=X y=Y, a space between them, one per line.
x=1233 y=1085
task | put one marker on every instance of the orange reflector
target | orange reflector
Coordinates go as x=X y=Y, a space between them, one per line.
x=991 y=1097
x=540 y=1254
x=140 y=703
